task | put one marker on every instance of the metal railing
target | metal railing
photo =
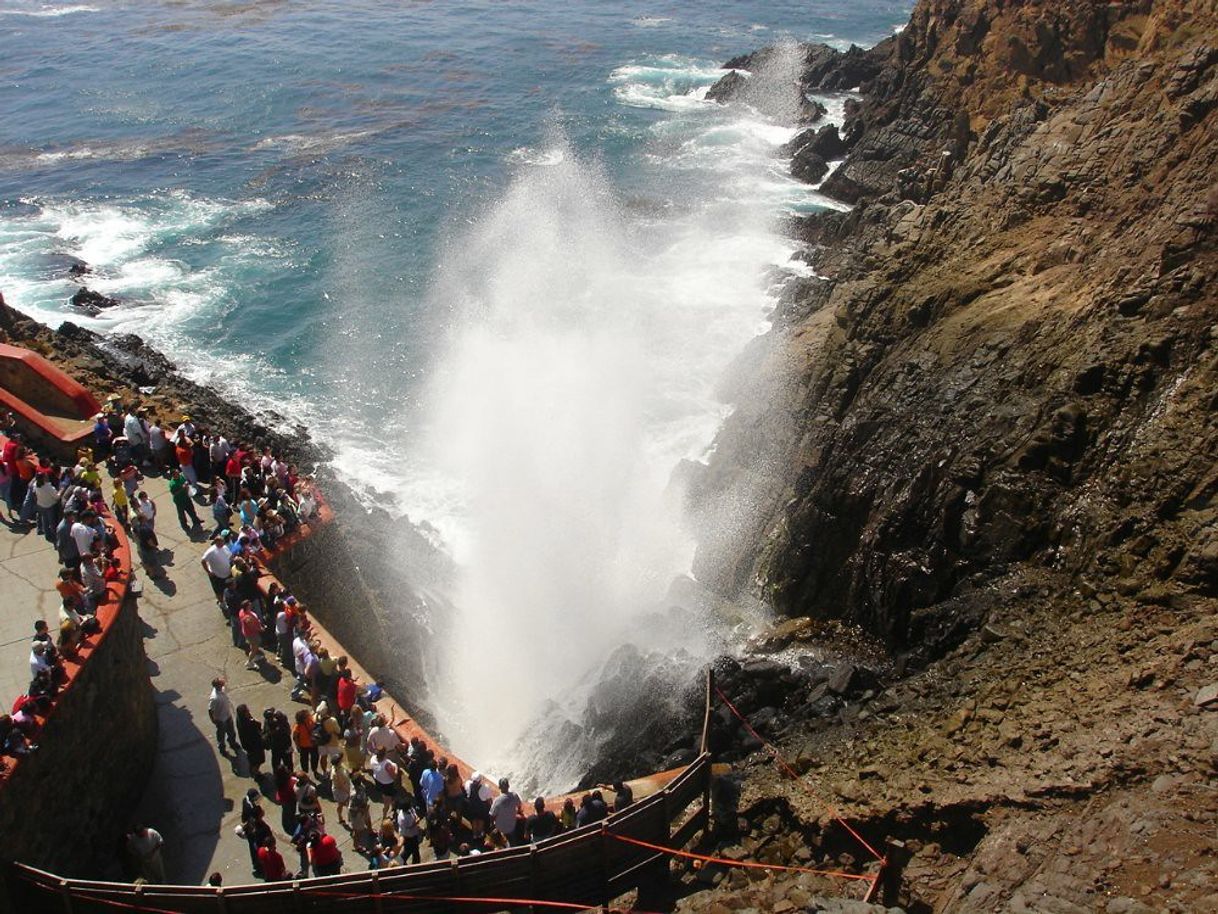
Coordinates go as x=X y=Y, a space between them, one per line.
x=587 y=866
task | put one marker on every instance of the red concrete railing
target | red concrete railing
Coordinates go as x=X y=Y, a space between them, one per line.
x=51 y=403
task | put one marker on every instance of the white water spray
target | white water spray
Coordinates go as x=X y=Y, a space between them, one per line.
x=585 y=345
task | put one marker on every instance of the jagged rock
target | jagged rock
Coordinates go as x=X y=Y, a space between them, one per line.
x=91 y=302
x=1207 y=697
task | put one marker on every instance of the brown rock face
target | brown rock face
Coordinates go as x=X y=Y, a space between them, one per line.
x=1012 y=361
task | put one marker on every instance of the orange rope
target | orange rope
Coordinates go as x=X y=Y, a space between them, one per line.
x=791 y=771
x=745 y=863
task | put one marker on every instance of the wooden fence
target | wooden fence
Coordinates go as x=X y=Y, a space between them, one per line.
x=588 y=866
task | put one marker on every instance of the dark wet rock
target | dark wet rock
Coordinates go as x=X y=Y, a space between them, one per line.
x=91 y=302
x=809 y=167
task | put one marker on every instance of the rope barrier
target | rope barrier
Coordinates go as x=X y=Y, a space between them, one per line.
x=791 y=772
x=741 y=863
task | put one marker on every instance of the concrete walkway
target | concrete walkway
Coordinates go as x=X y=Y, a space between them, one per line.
x=194 y=794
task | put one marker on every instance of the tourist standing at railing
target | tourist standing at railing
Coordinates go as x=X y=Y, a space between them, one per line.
x=46 y=500
x=270 y=862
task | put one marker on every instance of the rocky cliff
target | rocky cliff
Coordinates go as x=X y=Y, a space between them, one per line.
x=1009 y=358
x=986 y=433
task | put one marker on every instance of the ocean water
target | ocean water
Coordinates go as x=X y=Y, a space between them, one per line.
x=495 y=254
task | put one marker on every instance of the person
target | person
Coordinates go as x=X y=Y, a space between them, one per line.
x=179 y=490
x=251 y=631
x=385 y=776
x=158 y=444
x=144 y=845
x=431 y=782
x=308 y=803
x=383 y=736
x=302 y=736
x=184 y=451
x=303 y=832
x=360 y=818
x=543 y=823
x=277 y=736
x=215 y=880
x=102 y=433
x=221 y=512
x=506 y=812
x=340 y=789
x=145 y=510
x=328 y=735
x=220 y=710
x=477 y=802
x=325 y=856
x=623 y=796
x=137 y=437
x=65 y=545
x=567 y=815
x=353 y=754
x=218 y=564
x=410 y=828
x=387 y=845
x=83 y=533
x=285 y=796
x=270 y=862
x=250 y=735
x=120 y=503
x=46 y=499
x=591 y=809
x=253 y=827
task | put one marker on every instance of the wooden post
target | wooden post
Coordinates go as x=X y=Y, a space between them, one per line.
x=533 y=875
x=605 y=899
x=456 y=892
x=377 y=905
x=705 y=757
x=710 y=702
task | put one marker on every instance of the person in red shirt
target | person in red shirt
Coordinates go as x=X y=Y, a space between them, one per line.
x=347 y=690
x=251 y=630
x=325 y=856
x=270 y=861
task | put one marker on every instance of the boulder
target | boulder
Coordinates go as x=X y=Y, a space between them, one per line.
x=91 y=302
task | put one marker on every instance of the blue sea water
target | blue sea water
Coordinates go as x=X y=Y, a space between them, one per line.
x=496 y=254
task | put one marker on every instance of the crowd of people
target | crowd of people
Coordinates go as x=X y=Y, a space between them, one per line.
x=394 y=797
x=254 y=497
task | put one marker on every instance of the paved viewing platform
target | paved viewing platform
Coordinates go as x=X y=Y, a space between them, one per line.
x=194 y=795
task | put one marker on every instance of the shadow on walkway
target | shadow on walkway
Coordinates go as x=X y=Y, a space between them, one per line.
x=184 y=799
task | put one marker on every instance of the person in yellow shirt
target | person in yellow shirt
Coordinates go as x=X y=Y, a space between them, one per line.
x=120 y=502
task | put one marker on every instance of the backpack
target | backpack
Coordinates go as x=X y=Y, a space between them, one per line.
x=320 y=737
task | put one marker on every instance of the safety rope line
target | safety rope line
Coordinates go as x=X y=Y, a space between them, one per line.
x=791 y=771
x=741 y=863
